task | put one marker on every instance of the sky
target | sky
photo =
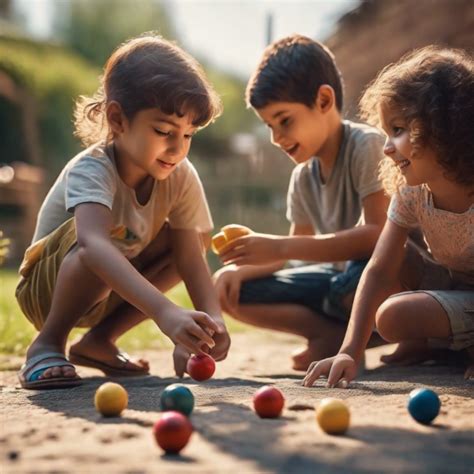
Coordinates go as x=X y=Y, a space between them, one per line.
x=229 y=34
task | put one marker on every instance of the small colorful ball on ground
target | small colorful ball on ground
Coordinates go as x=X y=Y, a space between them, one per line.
x=110 y=399
x=172 y=432
x=201 y=367
x=268 y=402
x=423 y=405
x=177 y=397
x=333 y=416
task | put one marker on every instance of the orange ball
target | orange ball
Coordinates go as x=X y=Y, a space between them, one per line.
x=217 y=242
x=234 y=231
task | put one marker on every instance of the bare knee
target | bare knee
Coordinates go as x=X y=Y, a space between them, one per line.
x=387 y=319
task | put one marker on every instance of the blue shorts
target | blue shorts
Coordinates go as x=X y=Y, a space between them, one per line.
x=319 y=287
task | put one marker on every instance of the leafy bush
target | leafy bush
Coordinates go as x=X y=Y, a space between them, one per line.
x=53 y=77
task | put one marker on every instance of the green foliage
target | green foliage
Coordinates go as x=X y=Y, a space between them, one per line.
x=53 y=77
x=4 y=244
x=95 y=28
x=213 y=141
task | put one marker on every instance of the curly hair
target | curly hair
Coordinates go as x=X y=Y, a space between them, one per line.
x=433 y=90
x=146 y=72
x=293 y=69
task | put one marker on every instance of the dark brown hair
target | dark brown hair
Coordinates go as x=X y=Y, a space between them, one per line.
x=292 y=70
x=432 y=88
x=147 y=72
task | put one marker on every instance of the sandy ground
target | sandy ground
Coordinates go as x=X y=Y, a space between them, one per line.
x=60 y=431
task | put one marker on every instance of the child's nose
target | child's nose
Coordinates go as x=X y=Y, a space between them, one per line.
x=275 y=137
x=177 y=147
x=388 y=147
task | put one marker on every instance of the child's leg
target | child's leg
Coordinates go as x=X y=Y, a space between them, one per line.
x=411 y=318
x=157 y=266
x=324 y=335
x=77 y=290
x=99 y=342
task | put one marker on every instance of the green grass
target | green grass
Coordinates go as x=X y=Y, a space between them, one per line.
x=16 y=332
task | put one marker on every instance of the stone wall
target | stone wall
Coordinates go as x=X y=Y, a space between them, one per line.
x=379 y=32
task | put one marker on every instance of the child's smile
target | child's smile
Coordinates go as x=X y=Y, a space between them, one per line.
x=296 y=129
x=166 y=165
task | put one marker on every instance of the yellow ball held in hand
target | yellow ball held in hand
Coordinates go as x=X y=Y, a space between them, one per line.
x=333 y=416
x=110 y=399
x=227 y=234
x=217 y=242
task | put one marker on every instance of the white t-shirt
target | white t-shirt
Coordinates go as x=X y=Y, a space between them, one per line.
x=92 y=176
x=336 y=204
x=449 y=236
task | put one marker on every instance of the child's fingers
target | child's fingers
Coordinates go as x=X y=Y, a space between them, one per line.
x=204 y=320
x=201 y=334
x=340 y=373
x=192 y=344
x=315 y=370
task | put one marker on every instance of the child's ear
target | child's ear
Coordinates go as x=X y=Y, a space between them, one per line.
x=325 y=98
x=115 y=117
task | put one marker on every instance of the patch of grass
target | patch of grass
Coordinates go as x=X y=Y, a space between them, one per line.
x=16 y=332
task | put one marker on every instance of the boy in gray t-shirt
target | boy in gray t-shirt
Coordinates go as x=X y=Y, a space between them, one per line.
x=336 y=205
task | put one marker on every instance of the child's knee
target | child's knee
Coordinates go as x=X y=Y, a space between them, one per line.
x=387 y=319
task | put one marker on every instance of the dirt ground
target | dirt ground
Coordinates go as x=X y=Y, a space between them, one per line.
x=60 y=431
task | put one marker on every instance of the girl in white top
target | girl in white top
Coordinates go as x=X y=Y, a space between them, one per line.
x=425 y=105
x=124 y=222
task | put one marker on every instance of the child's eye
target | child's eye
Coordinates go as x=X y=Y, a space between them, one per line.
x=161 y=132
x=285 y=122
x=189 y=136
x=397 y=131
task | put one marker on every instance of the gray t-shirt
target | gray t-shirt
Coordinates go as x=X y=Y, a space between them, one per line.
x=92 y=176
x=337 y=204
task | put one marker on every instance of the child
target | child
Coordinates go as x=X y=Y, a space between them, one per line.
x=425 y=104
x=336 y=204
x=124 y=222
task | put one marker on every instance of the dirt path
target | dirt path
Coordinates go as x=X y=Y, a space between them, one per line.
x=59 y=430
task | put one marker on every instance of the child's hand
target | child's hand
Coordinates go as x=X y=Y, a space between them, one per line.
x=188 y=328
x=339 y=370
x=222 y=340
x=228 y=281
x=180 y=359
x=253 y=249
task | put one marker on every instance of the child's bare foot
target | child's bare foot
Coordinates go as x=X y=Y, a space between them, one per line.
x=317 y=349
x=409 y=353
x=104 y=355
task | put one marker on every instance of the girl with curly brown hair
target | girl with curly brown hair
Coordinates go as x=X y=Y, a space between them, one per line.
x=420 y=298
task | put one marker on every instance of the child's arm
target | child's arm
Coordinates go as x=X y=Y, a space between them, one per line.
x=351 y=244
x=379 y=280
x=97 y=252
x=192 y=267
x=228 y=279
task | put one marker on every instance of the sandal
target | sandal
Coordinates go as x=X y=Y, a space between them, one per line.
x=34 y=367
x=107 y=369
